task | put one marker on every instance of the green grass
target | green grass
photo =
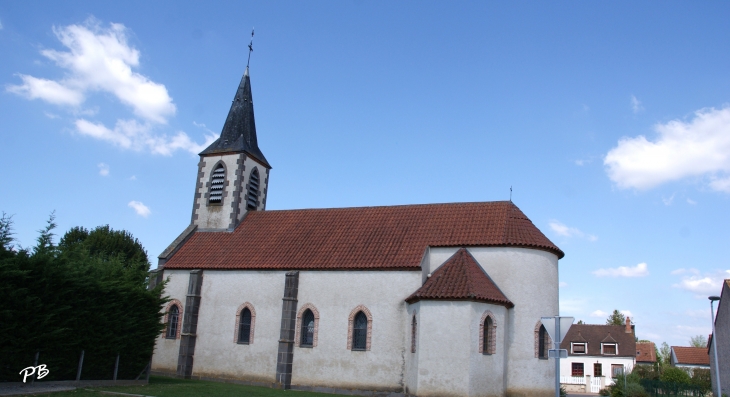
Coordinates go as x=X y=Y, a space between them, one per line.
x=161 y=386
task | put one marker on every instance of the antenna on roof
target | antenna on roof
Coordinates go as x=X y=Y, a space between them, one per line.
x=510 y=194
x=250 y=49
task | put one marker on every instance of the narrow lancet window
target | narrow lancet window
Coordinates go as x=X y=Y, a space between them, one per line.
x=488 y=335
x=217 y=182
x=253 y=190
x=360 y=332
x=307 y=329
x=244 y=327
x=414 y=327
x=173 y=322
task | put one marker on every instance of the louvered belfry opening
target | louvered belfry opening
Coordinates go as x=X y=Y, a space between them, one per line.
x=253 y=190
x=216 y=185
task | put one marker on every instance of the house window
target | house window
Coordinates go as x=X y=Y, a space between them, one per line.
x=576 y=369
x=217 y=181
x=414 y=327
x=578 y=348
x=597 y=369
x=543 y=343
x=617 y=370
x=608 y=348
x=244 y=328
x=253 y=190
x=173 y=322
x=307 y=329
x=360 y=332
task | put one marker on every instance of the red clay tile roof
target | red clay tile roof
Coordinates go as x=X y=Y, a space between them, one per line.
x=460 y=278
x=393 y=237
x=691 y=355
x=645 y=352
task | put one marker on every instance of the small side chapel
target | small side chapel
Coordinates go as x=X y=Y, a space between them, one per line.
x=419 y=300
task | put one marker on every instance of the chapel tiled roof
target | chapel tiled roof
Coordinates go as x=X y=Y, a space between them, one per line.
x=691 y=355
x=595 y=334
x=460 y=278
x=392 y=237
x=645 y=352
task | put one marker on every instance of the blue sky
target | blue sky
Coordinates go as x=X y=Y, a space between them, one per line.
x=610 y=122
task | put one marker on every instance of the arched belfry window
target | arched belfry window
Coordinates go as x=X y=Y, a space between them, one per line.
x=244 y=327
x=217 y=181
x=307 y=332
x=252 y=195
x=173 y=322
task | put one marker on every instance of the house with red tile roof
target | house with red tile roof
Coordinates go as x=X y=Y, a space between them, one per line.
x=597 y=353
x=645 y=353
x=689 y=357
x=424 y=300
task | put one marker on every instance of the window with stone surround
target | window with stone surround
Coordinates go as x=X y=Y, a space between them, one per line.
x=307 y=331
x=542 y=341
x=576 y=369
x=245 y=324
x=488 y=334
x=307 y=326
x=360 y=329
x=217 y=182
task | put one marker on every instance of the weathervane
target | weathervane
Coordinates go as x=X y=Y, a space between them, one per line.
x=250 y=49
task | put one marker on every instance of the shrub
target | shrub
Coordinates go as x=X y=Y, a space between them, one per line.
x=675 y=375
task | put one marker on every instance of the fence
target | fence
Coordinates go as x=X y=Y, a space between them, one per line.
x=31 y=374
x=596 y=383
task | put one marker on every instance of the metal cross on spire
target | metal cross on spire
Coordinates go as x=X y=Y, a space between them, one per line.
x=250 y=49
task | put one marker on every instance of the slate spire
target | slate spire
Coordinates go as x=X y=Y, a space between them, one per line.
x=239 y=131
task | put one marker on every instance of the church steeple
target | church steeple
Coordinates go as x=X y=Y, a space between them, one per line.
x=239 y=131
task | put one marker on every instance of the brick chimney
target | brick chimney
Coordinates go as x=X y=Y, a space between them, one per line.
x=628 y=325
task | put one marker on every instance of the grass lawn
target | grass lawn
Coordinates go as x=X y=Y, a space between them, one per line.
x=161 y=386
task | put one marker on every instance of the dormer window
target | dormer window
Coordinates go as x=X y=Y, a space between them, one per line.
x=253 y=190
x=217 y=181
x=609 y=349
x=578 y=348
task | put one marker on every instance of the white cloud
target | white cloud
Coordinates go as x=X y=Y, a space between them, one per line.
x=99 y=59
x=599 y=313
x=562 y=284
x=47 y=90
x=683 y=271
x=699 y=147
x=133 y=178
x=636 y=105
x=141 y=209
x=691 y=202
x=703 y=285
x=51 y=115
x=566 y=231
x=103 y=169
x=626 y=313
x=640 y=270
x=1 y=25
x=130 y=134
x=668 y=201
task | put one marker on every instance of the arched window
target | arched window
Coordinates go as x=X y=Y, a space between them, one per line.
x=217 y=181
x=173 y=322
x=360 y=332
x=244 y=327
x=414 y=327
x=253 y=190
x=543 y=343
x=307 y=329
x=488 y=336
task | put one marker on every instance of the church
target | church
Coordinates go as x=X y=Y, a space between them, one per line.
x=408 y=300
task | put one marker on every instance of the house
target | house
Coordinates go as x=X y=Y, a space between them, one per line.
x=722 y=329
x=645 y=353
x=426 y=300
x=689 y=357
x=597 y=353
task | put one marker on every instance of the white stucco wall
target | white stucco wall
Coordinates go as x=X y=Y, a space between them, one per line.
x=166 y=352
x=528 y=278
x=447 y=358
x=335 y=294
x=588 y=361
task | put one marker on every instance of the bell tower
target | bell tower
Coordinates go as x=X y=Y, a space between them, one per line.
x=233 y=174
